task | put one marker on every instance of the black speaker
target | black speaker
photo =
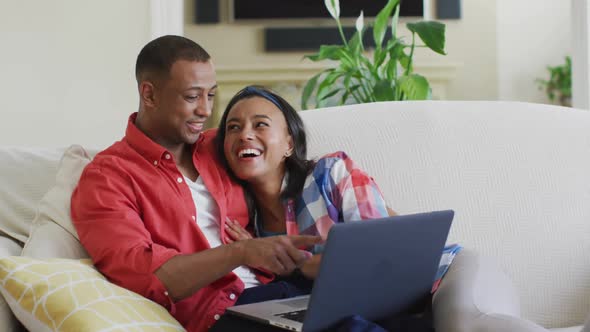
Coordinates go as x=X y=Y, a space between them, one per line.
x=448 y=9
x=207 y=11
x=310 y=39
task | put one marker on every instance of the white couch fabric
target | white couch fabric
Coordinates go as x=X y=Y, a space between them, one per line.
x=52 y=232
x=516 y=174
x=27 y=174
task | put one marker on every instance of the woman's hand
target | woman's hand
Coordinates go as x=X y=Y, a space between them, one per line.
x=235 y=231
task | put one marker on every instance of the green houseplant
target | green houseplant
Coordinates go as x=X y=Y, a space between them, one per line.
x=387 y=75
x=559 y=84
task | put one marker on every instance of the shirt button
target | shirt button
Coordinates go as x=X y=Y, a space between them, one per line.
x=194 y=218
x=232 y=296
x=179 y=180
x=167 y=156
x=155 y=163
x=216 y=317
x=166 y=293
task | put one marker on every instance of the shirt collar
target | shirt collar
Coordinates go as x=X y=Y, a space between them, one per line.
x=144 y=145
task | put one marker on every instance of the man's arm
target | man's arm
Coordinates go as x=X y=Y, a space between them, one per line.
x=183 y=275
x=105 y=213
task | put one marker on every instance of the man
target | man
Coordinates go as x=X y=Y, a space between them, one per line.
x=151 y=209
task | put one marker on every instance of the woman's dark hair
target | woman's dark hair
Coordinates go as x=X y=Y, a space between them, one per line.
x=297 y=165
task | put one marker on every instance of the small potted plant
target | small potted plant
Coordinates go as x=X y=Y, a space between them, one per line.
x=559 y=85
x=386 y=74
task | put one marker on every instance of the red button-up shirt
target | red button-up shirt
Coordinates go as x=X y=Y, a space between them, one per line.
x=133 y=212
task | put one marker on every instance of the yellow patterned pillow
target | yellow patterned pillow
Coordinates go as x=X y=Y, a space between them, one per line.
x=71 y=295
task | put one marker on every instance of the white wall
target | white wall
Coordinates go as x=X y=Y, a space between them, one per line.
x=532 y=34
x=67 y=70
x=581 y=54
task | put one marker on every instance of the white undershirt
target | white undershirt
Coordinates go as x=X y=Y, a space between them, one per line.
x=208 y=221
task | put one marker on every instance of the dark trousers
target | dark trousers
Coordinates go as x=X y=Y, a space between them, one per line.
x=418 y=320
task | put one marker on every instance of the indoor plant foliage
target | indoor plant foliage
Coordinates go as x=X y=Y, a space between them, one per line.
x=386 y=75
x=559 y=84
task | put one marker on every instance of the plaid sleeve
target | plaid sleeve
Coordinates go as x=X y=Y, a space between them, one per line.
x=356 y=195
x=449 y=253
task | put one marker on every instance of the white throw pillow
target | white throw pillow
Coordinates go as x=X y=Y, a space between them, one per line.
x=53 y=235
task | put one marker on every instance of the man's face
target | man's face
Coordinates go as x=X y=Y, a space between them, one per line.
x=183 y=102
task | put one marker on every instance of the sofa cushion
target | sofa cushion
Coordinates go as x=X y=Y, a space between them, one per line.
x=70 y=295
x=27 y=174
x=53 y=234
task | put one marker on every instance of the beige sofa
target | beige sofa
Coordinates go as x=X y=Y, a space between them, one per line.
x=516 y=174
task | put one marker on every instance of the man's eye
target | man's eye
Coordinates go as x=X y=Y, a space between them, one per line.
x=191 y=97
x=211 y=95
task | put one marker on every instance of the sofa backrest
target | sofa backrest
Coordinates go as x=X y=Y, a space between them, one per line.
x=26 y=175
x=516 y=174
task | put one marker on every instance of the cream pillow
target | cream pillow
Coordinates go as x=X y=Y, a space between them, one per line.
x=52 y=234
x=70 y=295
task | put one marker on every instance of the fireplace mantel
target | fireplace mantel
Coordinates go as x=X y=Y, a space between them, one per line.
x=288 y=80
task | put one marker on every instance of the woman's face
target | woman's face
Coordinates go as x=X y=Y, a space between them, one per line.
x=257 y=140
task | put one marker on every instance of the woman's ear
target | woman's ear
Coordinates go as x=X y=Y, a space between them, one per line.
x=289 y=147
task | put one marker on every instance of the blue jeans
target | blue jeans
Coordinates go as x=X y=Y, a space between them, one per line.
x=281 y=288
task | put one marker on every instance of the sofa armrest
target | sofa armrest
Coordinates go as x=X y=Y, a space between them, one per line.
x=475 y=295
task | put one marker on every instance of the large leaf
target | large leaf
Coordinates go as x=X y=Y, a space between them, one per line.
x=326 y=86
x=396 y=54
x=308 y=90
x=347 y=59
x=326 y=52
x=379 y=57
x=414 y=87
x=330 y=94
x=381 y=22
x=383 y=91
x=349 y=92
x=432 y=34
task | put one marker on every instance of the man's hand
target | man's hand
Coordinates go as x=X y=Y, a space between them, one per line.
x=278 y=254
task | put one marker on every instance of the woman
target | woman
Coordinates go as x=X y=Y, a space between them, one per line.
x=263 y=142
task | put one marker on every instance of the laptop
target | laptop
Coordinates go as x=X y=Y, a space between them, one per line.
x=373 y=268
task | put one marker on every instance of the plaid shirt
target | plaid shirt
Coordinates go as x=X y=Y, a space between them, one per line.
x=336 y=191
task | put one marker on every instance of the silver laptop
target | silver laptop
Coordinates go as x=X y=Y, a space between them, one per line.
x=372 y=268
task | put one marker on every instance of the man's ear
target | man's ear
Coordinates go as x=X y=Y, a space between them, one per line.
x=147 y=93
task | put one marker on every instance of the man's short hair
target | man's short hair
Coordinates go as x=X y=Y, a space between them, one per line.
x=157 y=57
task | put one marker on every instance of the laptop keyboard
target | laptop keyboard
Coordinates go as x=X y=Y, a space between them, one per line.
x=297 y=303
x=297 y=316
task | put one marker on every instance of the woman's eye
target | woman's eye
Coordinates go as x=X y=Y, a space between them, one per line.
x=191 y=97
x=232 y=127
x=261 y=124
x=211 y=95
